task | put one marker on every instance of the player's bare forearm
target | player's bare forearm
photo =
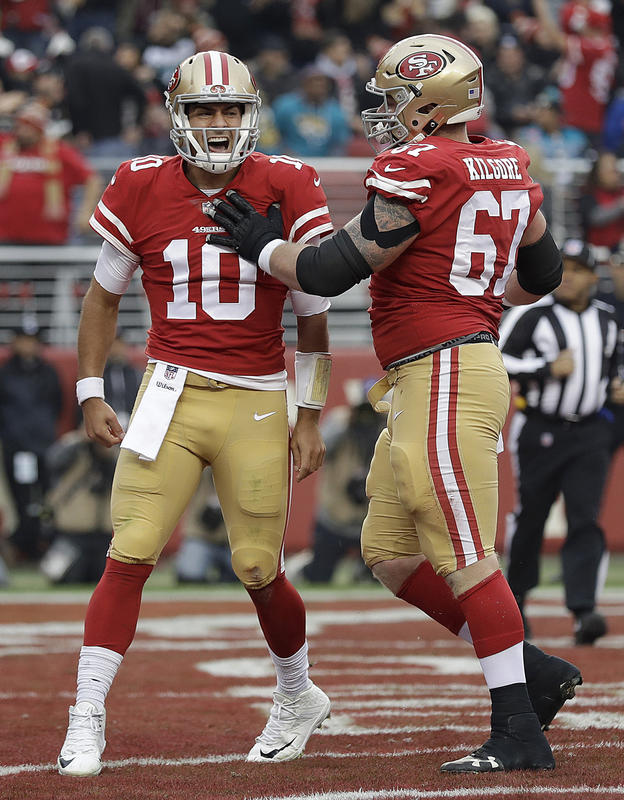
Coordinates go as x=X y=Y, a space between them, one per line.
x=96 y=331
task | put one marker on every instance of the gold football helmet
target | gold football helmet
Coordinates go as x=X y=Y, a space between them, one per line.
x=212 y=77
x=425 y=81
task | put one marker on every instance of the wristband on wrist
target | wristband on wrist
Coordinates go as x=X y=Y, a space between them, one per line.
x=264 y=259
x=312 y=372
x=89 y=387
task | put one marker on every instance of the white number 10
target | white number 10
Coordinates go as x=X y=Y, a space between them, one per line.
x=181 y=307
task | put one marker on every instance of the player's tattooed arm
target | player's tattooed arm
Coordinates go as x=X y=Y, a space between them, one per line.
x=370 y=242
x=382 y=230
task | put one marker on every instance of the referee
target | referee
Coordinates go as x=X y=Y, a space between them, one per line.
x=562 y=353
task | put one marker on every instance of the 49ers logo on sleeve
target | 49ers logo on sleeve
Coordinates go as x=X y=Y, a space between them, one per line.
x=174 y=80
x=421 y=65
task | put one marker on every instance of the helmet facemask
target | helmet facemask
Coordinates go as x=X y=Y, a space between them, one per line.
x=192 y=142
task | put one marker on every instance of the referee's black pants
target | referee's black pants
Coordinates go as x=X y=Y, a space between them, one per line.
x=572 y=458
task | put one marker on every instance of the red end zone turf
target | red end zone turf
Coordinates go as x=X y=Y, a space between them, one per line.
x=194 y=690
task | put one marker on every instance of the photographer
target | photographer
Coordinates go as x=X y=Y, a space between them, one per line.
x=79 y=507
x=350 y=433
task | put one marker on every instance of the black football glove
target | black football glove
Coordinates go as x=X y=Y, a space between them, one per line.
x=249 y=231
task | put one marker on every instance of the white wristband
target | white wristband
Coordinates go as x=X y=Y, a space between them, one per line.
x=312 y=372
x=265 y=254
x=89 y=387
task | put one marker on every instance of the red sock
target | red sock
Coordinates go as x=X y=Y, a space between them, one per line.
x=281 y=614
x=493 y=615
x=432 y=594
x=114 y=607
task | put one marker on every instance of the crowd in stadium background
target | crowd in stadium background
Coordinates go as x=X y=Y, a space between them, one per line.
x=96 y=71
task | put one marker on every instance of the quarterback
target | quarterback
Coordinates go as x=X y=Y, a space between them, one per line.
x=213 y=392
x=450 y=231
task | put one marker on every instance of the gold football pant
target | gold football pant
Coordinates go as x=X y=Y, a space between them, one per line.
x=243 y=434
x=433 y=480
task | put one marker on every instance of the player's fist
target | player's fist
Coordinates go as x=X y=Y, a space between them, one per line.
x=249 y=231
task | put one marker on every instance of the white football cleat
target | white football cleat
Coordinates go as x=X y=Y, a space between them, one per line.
x=81 y=754
x=291 y=723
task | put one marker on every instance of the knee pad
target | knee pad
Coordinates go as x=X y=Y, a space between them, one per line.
x=254 y=567
x=136 y=543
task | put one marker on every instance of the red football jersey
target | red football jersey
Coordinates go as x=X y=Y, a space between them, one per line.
x=211 y=310
x=473 y=202
x=586 y=79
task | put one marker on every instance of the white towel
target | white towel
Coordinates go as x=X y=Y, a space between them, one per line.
x=153 y=416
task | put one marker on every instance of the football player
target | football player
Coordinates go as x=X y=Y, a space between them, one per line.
x=213 y=392
x=451 y=231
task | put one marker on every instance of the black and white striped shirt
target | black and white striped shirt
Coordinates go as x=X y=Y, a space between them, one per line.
x=531 y=337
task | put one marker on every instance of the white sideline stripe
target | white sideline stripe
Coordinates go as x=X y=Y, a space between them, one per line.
x=373 y=594
x=226 y=759
x=419 y=794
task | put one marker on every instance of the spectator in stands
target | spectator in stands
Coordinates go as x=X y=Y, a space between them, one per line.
x=204 y=555
x=100 y=93
x=30 y=406
x=37 y=176
x=350 y=433
x=602 y=204
x=81 y=477
x=273 y=70
x=482 y=32
x=613 y=129
x=168 y=44
x=588 y=49
x=336 y=60
x=514 y=85
x=549 y=138
x=310 y=120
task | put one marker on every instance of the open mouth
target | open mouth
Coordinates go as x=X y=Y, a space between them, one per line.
x=218 y=144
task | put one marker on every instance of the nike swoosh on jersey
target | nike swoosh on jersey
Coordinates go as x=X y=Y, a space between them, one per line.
x=273 y=753
x=258 y=417
x=317 y=181
x=398 y=413
x=393 y=169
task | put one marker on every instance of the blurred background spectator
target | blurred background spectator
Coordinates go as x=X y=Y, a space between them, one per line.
x=602 y=204
x=309 y=120
x=350 y=434
x=30 y=407
x=37 y=176
x=105 y=100
x=78 y=508
x=204 y=554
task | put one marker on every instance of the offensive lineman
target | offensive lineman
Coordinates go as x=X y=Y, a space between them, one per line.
x=452 y=227
x=213 y=392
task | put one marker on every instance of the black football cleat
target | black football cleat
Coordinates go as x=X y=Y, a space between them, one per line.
x=550 y=682
x=515 y=743
x=589 y=627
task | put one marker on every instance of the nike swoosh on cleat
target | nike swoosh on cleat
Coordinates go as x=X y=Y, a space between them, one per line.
x=273 y=753
x=258 y=417
x=65 y=762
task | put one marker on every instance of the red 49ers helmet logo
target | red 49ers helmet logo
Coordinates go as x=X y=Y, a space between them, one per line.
x=174 y=80
x=420 y=65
